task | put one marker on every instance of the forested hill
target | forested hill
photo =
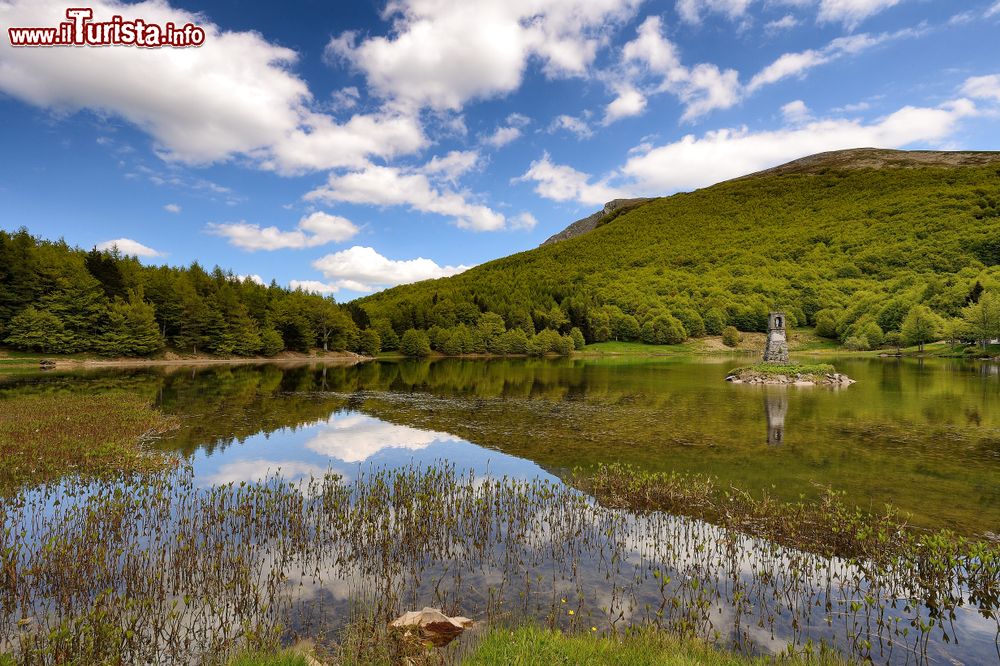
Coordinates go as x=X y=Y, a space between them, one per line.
x=55 y=298
x=851 y=240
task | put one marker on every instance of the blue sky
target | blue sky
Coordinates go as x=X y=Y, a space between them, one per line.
x=346 y=147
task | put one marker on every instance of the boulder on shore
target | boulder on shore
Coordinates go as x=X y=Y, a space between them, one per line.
x=430 y=625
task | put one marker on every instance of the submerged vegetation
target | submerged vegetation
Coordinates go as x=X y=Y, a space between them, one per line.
x=159 y=569
x=44 y=436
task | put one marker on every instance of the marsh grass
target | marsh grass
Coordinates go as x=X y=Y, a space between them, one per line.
x=45 y=436
x=156 y=569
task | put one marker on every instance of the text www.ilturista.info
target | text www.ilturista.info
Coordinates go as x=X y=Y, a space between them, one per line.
x=81 y=30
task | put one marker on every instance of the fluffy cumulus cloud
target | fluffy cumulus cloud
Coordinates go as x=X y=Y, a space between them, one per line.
x=452 y=165
x=694 y=162
x=312 y=231
x=502 y=136
x=571 y=124
x=442 y=54
x=313 y=286
x=795 y=112
x=395 y=186
x=129 y=247
x=629 y=102
x=718 y=155
x=355 y=438
x=652 y=57
x=983 y=87
x=234 y=96
x=363 y=269
x=559 y=182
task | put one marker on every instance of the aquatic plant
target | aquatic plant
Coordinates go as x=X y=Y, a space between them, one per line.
x=46 y=435
x=159 y=570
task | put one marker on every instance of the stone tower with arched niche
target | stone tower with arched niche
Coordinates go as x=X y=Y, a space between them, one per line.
x=776 y=349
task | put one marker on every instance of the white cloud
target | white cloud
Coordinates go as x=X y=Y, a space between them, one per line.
x=630 y=102
x=994 y=10
x=129 y=247
x=363 y=269
x=796 y=112
x=691 y=11
x=718 y=155
x=852 y=12
x=255 y=471
x=694 y=162
x=393 y=186
x=172 y=208
x=234 y=96
x=571 y=124
x=702 y=88
x=524 y=221
x=354 y=438
x=786 y=22
x=789 y=64
x=502 y=136
x=563 y=183
x=253 y=277
x=797 y=64
x=313 y=286
x=312 y=231
x=442 y=54
x=345 y=98
x=452 y=165
x=983 y=87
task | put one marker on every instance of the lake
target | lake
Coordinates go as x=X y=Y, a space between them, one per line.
x=921 y=435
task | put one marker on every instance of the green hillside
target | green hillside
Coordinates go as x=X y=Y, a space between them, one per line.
x=850 y=241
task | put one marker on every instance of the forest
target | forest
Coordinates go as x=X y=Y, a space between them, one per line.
x=58 y=299
x=871 y=257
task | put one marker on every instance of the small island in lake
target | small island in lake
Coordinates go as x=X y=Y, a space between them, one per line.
x=775 y=369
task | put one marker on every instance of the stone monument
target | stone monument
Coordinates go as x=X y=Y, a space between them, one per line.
x=776 y=349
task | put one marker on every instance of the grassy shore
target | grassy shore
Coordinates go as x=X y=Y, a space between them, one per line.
x=49 y=435
x=530 y=646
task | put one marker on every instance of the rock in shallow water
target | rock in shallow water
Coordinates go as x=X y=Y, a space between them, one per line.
x=431 y=625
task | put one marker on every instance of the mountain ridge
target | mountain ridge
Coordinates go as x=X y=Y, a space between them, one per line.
x=844 y=236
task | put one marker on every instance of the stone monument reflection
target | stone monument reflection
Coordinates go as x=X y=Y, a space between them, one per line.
x=776 y=407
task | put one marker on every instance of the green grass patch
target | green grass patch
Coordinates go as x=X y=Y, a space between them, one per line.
x=788 y=369
x=529 y=645
x=44 y=436
x=615 y=347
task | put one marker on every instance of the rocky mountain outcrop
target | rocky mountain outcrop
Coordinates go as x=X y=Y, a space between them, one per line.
x=611 y=210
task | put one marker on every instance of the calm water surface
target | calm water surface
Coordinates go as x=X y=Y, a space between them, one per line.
x=924 y=436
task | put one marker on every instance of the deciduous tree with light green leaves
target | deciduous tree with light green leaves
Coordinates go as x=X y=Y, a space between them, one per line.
x=921 y=326
x=983 y=318
x=415 y=343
